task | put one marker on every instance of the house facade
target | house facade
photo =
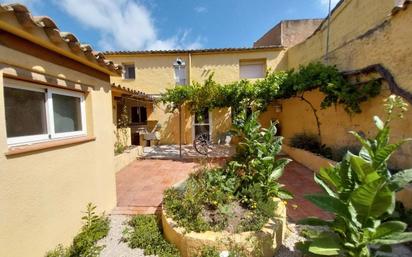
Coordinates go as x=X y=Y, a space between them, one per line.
x=155 y=71
x=56 y=139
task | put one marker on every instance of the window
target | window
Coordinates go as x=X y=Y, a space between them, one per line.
x=180 y=75
x=36 y=114
x=202 y=124
x=252 y=69
x=139 y=114
x=129 y=71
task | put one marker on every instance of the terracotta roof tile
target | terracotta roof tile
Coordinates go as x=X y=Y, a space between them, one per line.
x=207 y=50
x=27 y=21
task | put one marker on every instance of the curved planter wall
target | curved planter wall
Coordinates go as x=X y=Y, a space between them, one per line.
x=265 y=241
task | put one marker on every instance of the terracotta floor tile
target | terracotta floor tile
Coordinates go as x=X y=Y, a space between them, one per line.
x=141 y=184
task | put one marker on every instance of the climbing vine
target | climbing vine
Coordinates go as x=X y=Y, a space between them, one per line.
x=276 y=85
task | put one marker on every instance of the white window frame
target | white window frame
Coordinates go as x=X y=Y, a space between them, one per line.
x=48 y=105
x=194 y=124
x=52 y=132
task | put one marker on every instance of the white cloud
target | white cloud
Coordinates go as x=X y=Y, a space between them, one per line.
x=200 y=9
x=325 y=3
x=122 y=24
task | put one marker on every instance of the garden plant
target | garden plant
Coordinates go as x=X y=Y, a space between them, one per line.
x=360 y=193
x=239 y=196
x=95 y=227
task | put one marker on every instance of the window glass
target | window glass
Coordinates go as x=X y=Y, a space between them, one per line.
x=129 y=71
x=202 y=117
x=67 y=113
x=25 y=112
x=180 y=75
x=139 y=114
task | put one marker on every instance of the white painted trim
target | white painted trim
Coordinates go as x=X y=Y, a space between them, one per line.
x=200 y=124
x=51 y=135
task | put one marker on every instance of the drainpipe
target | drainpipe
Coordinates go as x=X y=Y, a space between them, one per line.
x=328 y=35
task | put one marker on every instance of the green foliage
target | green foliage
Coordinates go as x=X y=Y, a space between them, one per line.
x=121 y=131
x=256 y=163
x=310 y=143
x=145 y=233
x=209 y=251
x=332 y=83
x=360 y=192
x=95 y=227
x=251 y=180
x=276 y=85
x=185 y=206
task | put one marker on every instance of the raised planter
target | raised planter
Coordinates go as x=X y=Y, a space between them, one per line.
x=307 y=159
x=128 y=156
x=266 y=241
x=315 y=162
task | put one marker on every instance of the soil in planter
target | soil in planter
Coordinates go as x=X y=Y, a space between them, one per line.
x=230 y=220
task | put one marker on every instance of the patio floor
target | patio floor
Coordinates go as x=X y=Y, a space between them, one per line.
x=188 y=152
x=140 y=186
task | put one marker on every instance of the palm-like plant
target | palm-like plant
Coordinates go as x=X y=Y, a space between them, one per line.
x=360 y=192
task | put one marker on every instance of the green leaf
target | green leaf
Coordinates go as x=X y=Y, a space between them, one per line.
x=362 y=167
x=320 y=182
x=312 y=221
x=388 y=228
x=284 y=194
x=373 y=199
x=330 y=204
x=400 y=180
x=326 y=244
x=396 y=238
x=329 y=175
x=384 y=153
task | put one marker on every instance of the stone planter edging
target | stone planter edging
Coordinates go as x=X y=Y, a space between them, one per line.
x=315 y=162
x=307 y=159
x=267 y=240
x=125 y=158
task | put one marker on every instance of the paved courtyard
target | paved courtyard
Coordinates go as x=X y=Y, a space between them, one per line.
x=140 y=186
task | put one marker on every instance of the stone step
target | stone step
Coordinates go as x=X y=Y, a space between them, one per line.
x=136 y=210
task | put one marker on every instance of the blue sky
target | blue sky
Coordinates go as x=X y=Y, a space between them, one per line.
x=172 y=24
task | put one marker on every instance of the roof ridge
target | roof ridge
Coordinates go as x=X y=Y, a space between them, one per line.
x=202 y=50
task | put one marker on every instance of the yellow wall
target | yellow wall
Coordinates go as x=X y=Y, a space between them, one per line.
x=43 y=193
x=155 y=73
x=354 y=46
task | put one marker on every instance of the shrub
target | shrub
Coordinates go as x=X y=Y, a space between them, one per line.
x=248 y=183
x=360 y=192
x=339 y=153
x=145 y=233
x=95 y=227
x=311 y=143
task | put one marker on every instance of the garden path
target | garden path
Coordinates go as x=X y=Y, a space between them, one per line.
x=140 y=186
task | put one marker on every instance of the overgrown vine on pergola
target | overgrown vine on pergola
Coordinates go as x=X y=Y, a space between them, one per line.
x=258 y=94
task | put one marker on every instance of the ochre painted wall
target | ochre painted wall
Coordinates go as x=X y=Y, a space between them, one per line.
x=43 y=194
x=155 y=73
x=362 y=33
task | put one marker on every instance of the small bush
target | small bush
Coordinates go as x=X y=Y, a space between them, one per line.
x=95 y=227
x=339 y=153
x=145 y=233
x=311 y=143
x=209 y=251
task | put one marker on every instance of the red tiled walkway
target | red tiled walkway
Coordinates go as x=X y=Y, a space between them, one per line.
x=140 y=185
x=299 y=180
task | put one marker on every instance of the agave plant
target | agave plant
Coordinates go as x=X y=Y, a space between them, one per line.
x=360 y=192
